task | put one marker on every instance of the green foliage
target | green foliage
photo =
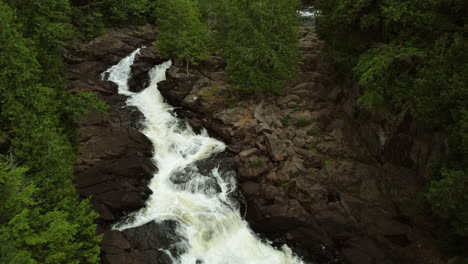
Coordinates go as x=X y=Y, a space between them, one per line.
x=230 y=101
x=285 y=121
x=303 y=122
x=47 y=24
x=91 y=17
x=42 y=219
x=409 y=56
x=210 y=92
x=258 y=163
x=259 y=40
x=313 y=132
x=32 y=235
x=129 y=11
x=449 y=199
x=411 y=59
x=182 y=33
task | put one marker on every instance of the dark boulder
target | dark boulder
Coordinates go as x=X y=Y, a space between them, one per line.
x=152 y=239
x=200 y=177
x=144 y=62
x=114 y=164
x=307 y=240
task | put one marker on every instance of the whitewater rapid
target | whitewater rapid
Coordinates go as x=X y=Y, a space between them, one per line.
x=208 y=220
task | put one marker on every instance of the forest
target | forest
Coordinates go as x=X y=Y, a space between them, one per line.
x=410 y=58
x=42 y=219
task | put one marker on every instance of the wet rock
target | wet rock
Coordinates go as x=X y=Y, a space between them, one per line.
x=103 y=211
x=114 y=242
x=119 y=184
x=305 y=239
x=203 y=175
x=134 y=257
x=152 y=238
x=191 y=180
x=144 y=62
x=221 y=162
x=114 y=166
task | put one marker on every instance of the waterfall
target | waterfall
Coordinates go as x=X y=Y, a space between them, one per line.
x=209 y=221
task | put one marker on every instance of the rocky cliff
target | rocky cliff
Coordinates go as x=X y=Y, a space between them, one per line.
x=314 y=173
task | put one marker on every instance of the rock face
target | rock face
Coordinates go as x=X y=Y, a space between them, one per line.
x=114 y=164
x=153 y=237
x=141 y=66
x=315 y=173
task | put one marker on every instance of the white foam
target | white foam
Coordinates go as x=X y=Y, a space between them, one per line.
x=213 y=229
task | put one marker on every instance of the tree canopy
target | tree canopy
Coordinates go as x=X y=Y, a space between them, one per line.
x=42 y=219
x=259 y=40
x=411 y=59
x=182 y=33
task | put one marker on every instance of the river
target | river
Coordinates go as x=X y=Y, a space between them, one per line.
x=209 y=221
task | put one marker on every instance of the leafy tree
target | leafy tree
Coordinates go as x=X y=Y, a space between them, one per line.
x=182 y=33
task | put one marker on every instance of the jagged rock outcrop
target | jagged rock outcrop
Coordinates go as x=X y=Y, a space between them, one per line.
x=309 y=158
x=143 y=63
x=314 y=173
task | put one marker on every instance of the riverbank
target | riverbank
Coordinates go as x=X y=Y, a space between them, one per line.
x=308 y=157
x=311 y=171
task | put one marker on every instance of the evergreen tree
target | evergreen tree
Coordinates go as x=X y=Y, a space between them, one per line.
x=44 y=221
x=182 y=33
x=91 y=17
x=259 y=40
x=411 y=59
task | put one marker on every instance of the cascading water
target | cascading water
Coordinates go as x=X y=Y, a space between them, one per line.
x=209 y=221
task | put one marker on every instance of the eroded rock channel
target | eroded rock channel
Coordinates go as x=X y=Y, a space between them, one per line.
x=310 y=172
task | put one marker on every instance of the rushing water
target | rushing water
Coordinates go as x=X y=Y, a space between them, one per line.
x=209 y=221
x=308 y=16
